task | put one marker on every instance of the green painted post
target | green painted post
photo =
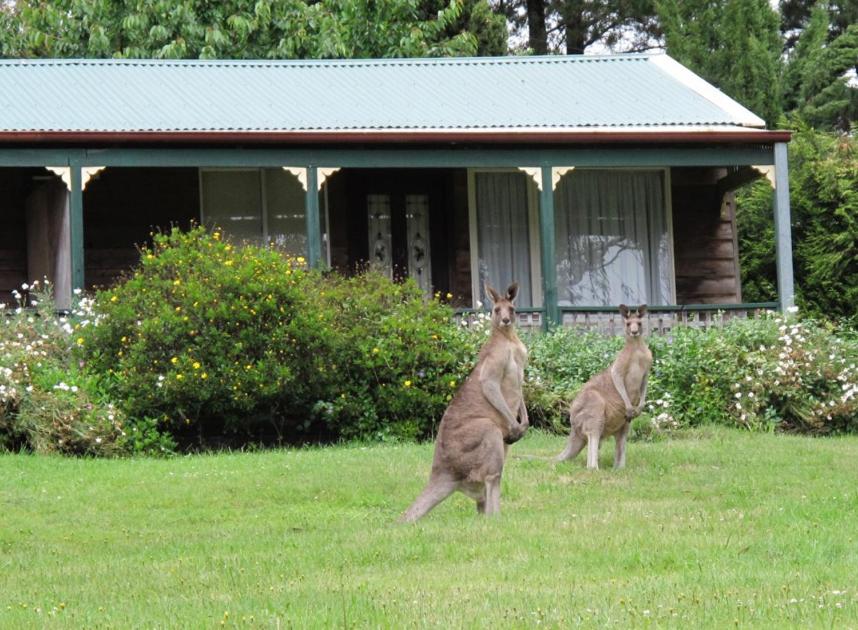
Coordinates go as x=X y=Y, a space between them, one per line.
x=546 y=239
x=783 y=236
x=76 y=227
x=314 y=233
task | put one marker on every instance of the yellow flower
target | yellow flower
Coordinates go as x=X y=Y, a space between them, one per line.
x=452 y=383
x=174 y=360
x=176 y=282
x=375 y=351
x=449 y=296
x=216 y=236
x=228 y=263
x=196 y=365
x=113 y=298
x=204 y=375
x=407 y=383
x=80 y=341
x=179 y=376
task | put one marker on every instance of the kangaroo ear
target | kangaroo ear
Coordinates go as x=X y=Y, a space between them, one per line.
x=512 y=291
x=494 y=296
x=641 y=310
x=624 y=310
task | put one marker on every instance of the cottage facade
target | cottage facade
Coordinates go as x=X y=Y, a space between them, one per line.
x=589 y=180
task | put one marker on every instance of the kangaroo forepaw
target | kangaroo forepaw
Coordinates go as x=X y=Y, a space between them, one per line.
x=515 y=434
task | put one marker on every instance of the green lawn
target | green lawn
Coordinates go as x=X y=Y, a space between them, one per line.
x=715 y=529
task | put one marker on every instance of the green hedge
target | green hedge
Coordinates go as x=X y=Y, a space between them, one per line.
x=214 y=339
x=762 y=374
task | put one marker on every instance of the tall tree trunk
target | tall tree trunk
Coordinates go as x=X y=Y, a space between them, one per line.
x=575 y=27
x=536 y=36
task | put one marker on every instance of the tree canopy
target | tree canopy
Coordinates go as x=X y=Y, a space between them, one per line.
x=247 y=29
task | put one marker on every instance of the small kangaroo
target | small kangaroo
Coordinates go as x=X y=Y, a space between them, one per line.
x=485 y=416
x=604 y=405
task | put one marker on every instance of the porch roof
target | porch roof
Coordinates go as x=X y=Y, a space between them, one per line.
x=632 y=97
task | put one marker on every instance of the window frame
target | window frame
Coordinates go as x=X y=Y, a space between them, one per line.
x=534 y=243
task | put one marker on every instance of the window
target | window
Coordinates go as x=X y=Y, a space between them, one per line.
x=613 y=240
x=504 y=235
x=258 y=205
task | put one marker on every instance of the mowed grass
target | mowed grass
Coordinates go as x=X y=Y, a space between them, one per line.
x=714 y=529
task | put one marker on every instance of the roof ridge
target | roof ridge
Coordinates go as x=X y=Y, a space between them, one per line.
x=315 y=63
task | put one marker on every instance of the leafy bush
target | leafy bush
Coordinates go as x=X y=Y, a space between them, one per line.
x=208 y=337
x=392 y=359
x=823 y=171
x=46 y=403
x=761 y=374
x=198 y=337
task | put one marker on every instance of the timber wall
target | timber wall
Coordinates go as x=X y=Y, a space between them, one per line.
x=704 y=238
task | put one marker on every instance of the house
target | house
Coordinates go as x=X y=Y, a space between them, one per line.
x=589 y=180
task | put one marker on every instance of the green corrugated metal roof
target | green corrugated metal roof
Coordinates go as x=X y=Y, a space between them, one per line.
x=506 y=93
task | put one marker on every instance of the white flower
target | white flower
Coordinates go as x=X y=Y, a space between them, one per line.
x=25 y=286
x=792 y=309
x=76 y=291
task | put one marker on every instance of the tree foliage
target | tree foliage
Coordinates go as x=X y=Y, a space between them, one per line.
x=816 y=84
x=245 y=29
x=824 y=199
x=734 y=44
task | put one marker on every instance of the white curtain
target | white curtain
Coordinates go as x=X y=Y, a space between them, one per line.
x=503 y=233
x=612 y=239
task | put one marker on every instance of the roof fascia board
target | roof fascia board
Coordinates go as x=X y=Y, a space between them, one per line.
x=686 y=77
x=405 y=157
x=504 y=136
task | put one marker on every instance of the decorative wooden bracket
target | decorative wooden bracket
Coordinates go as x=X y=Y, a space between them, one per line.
x=300 y=173
x=63 y=172
x=86 y=174
x=535 y=174
x=325 y=173
x=557 y=173
x=767 y=171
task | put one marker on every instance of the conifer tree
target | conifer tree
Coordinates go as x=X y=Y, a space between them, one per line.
x=733 y=44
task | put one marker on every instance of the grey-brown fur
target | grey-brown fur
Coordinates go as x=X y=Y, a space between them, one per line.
x=486 y=414
x=607 y=403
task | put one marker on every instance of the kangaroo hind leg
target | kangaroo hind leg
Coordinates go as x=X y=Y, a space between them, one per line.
x=573 y=447
x=438 y=489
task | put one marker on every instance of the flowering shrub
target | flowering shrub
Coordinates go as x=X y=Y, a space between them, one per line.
x=198 y=338
x=392 y=359
x=46 y=403
x=762 y=374
x=208 y=337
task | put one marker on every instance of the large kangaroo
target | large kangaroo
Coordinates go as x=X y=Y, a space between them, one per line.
x=607 y=403
x=486 y=414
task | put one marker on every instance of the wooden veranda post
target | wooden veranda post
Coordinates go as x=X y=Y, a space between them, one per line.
x=314 y=235
x=546 y=240
x=76 y=227
x=783 y=236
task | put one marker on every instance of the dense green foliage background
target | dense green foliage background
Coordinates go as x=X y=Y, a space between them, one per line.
x=824 y=198
x=208 y=343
